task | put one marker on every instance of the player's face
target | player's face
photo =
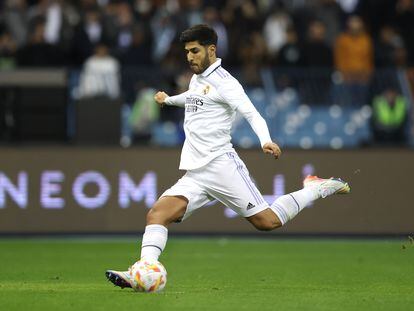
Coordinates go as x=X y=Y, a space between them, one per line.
x=197 y=56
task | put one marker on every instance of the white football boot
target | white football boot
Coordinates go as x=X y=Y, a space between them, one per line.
x=326 y=187
x=119 y=278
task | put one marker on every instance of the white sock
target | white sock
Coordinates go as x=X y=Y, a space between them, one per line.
x=153 y=241
x=289 y=205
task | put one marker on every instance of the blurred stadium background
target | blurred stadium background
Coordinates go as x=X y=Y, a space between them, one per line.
x=85 y=151
x=82 y=140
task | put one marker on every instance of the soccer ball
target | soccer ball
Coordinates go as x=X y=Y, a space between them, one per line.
x=148 y=276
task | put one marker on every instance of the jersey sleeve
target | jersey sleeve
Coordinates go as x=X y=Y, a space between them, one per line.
x=232 y=92
x=179 y=100
x=176 y=100
x=234 y=95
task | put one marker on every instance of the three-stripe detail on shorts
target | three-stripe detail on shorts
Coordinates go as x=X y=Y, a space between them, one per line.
x=247 y=180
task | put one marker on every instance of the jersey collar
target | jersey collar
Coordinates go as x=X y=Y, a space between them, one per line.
x=211 y=68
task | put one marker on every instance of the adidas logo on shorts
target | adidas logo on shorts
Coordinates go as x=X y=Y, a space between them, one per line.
x=250 y=206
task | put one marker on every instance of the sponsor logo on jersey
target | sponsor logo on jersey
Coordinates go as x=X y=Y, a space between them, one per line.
x=192 y=103
x=192 y=100
x=191 y=108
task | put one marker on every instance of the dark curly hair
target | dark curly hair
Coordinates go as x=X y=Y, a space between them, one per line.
x=204 y=34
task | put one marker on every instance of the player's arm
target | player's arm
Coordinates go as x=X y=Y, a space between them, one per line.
x=162 y=99
x=234 y=95
x=259 y=126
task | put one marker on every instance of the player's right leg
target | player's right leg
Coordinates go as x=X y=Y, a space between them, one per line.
x=175 y=204
x=166 y=210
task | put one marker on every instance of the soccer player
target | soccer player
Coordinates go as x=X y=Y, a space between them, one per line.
x=213 y=168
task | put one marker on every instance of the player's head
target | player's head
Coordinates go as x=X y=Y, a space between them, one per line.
x=200 y=45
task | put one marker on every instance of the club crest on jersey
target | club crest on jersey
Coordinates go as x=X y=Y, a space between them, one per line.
x=206 y=90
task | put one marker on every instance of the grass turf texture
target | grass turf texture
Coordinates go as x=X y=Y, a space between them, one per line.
x=211 y=274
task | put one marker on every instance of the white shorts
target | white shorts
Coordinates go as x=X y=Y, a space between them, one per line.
x=225 y=179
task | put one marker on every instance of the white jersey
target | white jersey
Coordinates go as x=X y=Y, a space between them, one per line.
x=210 y=105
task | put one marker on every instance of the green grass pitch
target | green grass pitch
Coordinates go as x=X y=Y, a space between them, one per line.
x=211 y=274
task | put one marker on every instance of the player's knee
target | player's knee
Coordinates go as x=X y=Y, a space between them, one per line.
x=156 y=215
x=265 y=225
x=164 y=214
x=152 y=216
x=266 y=220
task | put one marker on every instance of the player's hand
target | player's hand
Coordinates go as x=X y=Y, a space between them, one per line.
x=273 y=149
x=160 y=98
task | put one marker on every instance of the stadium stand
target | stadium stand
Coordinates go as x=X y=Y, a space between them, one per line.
x=288 y=54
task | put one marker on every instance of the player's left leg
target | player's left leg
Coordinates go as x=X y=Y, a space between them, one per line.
x=288 y=206
x=230 y=183
x=265 y=220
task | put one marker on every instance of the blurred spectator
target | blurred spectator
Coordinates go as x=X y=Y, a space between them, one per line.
x=100 y=75
x=348 y=6
x=212 y=18
x=389 y=49
x=316 y=51
x=39 y=53
x=87 y=34
x=242 y=16
x=15 y=19
x=125 y=25
x=290 y=54
x=8 y=48
x=145 y=112
x=354 y=60
x=376 y=13
x=275 y=30
x=327 y=11
x=60 y=18
x=110 y=20
x=143 y=11
x=192 y=12
x=164 y=30
x=252 y=54
x=241 y=19
x=330 y=14
x=354 y=52
x=318 y=59
x=390 y=112
x=84 y=5
x=172 y=113
x=139 y=52
x=404 y=23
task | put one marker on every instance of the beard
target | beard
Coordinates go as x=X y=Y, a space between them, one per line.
x=205 y=63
